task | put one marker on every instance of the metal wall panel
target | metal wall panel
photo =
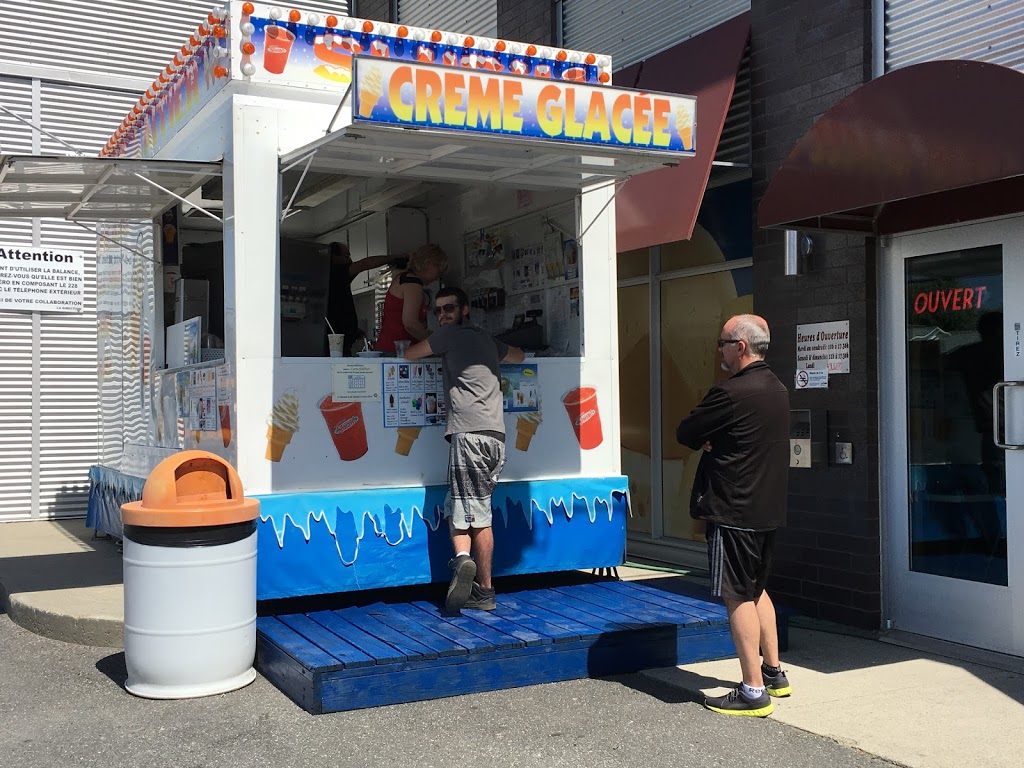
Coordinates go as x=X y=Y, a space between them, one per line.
x=927 y=30
x=734 y=143
x=68 y=398
x=476 y=17
x=82 y=117
x=631 y=31
x=49 y=404
x=16 y=333
x=126 y=37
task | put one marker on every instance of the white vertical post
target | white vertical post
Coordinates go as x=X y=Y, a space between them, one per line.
x=251 y=282
x=657 y=395
x=599 y=307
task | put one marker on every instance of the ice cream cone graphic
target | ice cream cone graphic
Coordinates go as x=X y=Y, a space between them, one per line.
x=526 y=428
x=684 y=126
x=224 y=410
x=284 y=423
x=406 y=437
x=371 y=88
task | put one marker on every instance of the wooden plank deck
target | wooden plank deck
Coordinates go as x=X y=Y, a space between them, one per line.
x=389 y=653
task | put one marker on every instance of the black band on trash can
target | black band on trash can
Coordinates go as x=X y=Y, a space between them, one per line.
x=204 y=536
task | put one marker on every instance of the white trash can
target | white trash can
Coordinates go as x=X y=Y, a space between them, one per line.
x=190 y=580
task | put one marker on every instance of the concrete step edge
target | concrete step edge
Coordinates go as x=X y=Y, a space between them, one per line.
x=103 y=633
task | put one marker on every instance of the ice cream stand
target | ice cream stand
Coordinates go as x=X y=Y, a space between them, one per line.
x=319 y=127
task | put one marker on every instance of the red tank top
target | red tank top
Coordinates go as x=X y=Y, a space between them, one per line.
x=392 y=328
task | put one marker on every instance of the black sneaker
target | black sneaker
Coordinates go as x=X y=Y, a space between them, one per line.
x=463 y=571
x=776 y=683
x=735 y=703
x=481 y=598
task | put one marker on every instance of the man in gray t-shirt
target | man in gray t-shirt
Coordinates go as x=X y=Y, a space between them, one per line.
x=476 y=432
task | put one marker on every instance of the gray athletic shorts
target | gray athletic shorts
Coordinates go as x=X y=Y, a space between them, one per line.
x=474 y=464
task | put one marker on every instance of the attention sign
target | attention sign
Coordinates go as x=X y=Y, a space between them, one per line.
x=428 y=96
x=41 y=279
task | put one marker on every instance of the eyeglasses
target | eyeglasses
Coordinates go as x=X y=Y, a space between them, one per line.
x=447 y=309
x=723 y=342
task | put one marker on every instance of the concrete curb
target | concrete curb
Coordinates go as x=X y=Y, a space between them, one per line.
x=56 y=625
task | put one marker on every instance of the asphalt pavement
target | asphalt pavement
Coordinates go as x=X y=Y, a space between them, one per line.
x=65 y=705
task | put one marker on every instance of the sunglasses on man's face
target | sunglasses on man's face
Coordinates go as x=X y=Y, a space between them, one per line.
x=447 y=309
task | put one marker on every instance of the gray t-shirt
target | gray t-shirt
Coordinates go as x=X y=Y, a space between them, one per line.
x=472 y=378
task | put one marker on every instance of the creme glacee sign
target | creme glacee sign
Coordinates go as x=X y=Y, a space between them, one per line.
x=427 y=96
x=41 y=279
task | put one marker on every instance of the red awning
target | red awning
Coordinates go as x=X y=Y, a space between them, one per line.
x=661 y=206
x=928 y=145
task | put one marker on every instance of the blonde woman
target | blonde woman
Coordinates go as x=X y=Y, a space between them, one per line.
x=405 y=306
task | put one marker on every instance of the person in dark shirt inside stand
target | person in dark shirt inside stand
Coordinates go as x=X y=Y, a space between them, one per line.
x=341 y=307
x=740 y=490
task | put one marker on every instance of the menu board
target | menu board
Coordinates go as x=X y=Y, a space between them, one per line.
x=520 y=388
x=414 y=394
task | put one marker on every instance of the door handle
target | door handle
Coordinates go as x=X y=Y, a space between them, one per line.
x=998 y=433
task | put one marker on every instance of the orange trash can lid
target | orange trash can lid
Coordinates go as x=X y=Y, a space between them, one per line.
x=191 y=489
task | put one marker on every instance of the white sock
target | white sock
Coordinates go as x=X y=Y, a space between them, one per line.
x=752 y=693
x=460 y=554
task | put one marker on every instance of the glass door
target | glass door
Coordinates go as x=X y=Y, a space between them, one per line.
x=952 y=422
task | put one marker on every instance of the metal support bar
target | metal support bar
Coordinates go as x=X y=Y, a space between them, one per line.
x=344 y=98
x=178 y=197
x=95 y=188
x=302 y=178
x=32 y=125
x=619 y=184
x=298 y=161
x=115 y=242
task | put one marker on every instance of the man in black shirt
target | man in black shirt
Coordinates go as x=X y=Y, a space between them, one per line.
x=341 y=307
x=743 y=427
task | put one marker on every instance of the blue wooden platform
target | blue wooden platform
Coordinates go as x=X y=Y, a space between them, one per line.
x=388 y=653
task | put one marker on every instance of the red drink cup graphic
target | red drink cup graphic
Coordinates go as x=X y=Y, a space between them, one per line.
x=276 y=47
x=581 y=405
x=346 y=425
x=575 y=74
x=425 y=53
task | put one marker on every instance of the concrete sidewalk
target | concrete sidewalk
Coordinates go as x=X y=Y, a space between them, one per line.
x=57 y=580
x=916 y=708
x=909 y=700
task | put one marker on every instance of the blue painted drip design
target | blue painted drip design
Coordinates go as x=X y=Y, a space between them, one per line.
x=108 y=490
x=386 y=537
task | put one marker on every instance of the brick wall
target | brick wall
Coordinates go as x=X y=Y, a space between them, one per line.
x=805 y=56
x=531 y=21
